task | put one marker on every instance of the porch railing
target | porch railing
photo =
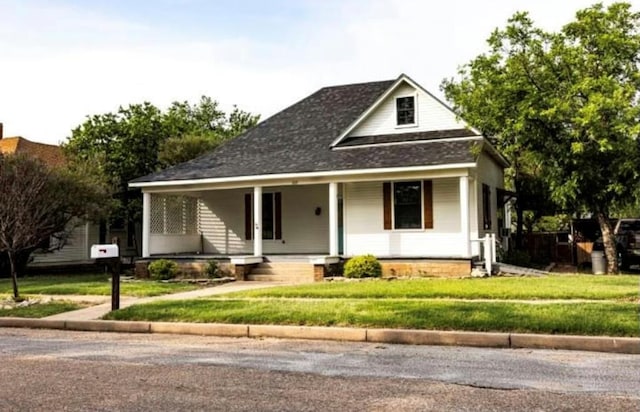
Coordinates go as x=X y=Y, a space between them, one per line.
x=487 y=251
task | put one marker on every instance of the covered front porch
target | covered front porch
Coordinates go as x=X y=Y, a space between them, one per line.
x=318 y=223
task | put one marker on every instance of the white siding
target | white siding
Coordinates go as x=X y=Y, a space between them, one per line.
x=160 y=244
x=75 y=250
x=222 y=221
x=431 y=115
x=489 y=173
x=364 y=231
x=221 y=215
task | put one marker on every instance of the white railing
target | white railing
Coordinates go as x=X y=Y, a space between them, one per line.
x=487 y=251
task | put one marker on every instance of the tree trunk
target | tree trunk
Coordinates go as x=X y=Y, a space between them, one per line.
x=14 y=274
x=519 y=211
x=609 y=242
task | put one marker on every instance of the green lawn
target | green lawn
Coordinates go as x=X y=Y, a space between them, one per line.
x=92 y=284
x=443 y=304
x=41 y=310
x=623 y=287
x=614 y=319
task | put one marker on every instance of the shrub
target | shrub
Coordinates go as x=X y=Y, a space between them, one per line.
x=163 y=269
x=517 y=258
x=362 y=266
x=212 y=270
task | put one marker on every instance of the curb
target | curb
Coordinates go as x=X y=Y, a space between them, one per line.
x=396 y=336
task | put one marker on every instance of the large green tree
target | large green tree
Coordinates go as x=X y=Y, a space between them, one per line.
x=140 y=139
x=568 y=100
x=40 y=203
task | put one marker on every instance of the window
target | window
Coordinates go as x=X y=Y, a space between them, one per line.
x=486 y=206
x=407 y=205
x=268 y=217
x=271 y=216
x=405 y=110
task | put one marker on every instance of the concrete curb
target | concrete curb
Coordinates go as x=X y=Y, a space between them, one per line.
x=401 y=336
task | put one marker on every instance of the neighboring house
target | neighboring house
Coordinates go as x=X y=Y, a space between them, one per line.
x=383 y=168
x=77 y=247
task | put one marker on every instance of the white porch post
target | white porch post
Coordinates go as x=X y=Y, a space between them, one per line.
x=333 y=219
x=257 y=221
x=146 y=223
x=465 y=226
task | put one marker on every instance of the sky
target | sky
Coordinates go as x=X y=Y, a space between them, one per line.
x=62 y=60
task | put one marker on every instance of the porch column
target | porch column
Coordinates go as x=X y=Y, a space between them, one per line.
x=333 y=219
x=257 y=221
x=465 y=226
x=146 y=223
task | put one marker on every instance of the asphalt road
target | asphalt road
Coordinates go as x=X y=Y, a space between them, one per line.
x=82 y=371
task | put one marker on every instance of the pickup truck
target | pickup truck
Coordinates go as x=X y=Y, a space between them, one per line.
x=627 y=232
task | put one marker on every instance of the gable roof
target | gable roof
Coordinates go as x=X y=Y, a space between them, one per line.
x=49 y=154
x=299 y=138
x=403 y=78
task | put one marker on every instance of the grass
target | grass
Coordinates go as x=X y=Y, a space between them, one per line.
x=613 y=319
x=623 y=287
x=92 y=284
x=41 y=310
x=444 y=304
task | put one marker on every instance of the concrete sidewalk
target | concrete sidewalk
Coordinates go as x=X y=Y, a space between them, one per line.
x=98 y=311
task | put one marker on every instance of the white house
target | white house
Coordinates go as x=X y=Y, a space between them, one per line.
x=382 y=168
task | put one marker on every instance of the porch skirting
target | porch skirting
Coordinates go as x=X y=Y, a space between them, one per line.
x=301 y=269
x=445 y=268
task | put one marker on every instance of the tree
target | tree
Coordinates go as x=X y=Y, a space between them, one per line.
x=569 y=101
x=39 y=203
x=140 y=139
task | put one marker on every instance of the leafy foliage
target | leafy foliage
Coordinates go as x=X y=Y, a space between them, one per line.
x=163 y=269
x=566 y=102
x=212 y=269
x=362 y=266
x=140 y=139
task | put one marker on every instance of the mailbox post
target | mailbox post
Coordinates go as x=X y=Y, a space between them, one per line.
x=110 y=255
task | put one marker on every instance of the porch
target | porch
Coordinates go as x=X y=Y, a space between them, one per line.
x=319 y=224
x=305 y=268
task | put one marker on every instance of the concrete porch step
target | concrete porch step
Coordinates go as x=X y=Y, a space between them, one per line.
x=283 y=272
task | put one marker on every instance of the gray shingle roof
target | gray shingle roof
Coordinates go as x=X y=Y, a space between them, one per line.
x=298 y=139
x=406 y=137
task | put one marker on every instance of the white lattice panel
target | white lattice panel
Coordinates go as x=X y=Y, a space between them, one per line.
x=175 y=215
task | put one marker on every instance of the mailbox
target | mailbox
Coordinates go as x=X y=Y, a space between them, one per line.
x=104 y=251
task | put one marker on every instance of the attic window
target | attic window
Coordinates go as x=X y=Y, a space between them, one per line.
x=405 y=110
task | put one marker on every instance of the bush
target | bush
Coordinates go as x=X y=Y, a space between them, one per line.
x=362 y=267
x=163 y=269
x=517 y=258
x=212 y=270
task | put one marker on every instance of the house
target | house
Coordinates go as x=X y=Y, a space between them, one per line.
x=381 y=167
x=77 y=246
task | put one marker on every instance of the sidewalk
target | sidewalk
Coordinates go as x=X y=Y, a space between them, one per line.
x=98 y=311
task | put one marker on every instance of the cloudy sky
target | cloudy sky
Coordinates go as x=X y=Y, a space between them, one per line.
x=61 y=60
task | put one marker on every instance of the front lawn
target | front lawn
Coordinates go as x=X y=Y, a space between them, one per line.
x=622 y=287
x=92 y=284
x=443 y=304
x=41 y=310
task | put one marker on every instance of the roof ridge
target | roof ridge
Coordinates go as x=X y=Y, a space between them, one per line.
x=358 y=84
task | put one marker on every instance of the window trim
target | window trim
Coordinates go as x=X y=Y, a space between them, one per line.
x=415 y=111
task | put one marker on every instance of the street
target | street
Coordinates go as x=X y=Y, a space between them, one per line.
x=72 y=371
